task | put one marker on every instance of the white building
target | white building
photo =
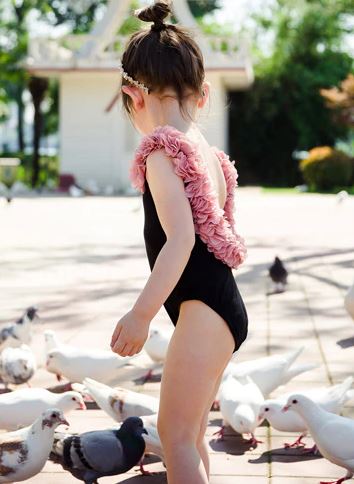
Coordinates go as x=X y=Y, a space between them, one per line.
x=96 y=144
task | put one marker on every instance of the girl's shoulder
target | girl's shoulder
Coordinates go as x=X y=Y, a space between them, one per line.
x=184 y=153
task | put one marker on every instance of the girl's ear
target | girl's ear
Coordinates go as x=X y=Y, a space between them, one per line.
x=136 y=96
x=206 y=93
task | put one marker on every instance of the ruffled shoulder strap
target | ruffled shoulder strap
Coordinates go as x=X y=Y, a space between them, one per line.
x=215 y=226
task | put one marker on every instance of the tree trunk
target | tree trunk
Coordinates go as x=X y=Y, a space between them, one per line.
x=37 y=87
x=20 y=121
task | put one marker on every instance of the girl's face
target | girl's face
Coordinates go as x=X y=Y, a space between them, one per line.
x=158 y=109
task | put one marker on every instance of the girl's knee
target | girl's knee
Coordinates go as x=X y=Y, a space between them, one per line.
x=174 y=432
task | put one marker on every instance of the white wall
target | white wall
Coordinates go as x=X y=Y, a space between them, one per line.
x=93 y=142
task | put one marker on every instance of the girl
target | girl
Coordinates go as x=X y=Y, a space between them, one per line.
x=190 y=238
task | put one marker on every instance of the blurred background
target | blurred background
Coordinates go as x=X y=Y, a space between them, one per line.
x=281 y=105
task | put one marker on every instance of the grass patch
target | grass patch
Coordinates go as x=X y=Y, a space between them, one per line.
x=294 y=191
x=280 y=191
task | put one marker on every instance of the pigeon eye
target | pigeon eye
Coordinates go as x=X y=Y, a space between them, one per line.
x=54 y=415
x=267 y=409
x=73 y=399
x=294 y=401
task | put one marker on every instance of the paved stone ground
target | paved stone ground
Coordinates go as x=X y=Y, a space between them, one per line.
x=83 y=262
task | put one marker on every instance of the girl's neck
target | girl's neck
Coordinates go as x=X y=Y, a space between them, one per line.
x=168 y=113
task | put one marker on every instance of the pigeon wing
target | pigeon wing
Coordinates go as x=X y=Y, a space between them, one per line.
x=336 y=438
x=102 y=450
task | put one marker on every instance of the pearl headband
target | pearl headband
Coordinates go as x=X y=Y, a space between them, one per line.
x=128 y=78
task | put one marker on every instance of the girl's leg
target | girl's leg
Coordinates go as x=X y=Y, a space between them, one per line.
x=199 y=350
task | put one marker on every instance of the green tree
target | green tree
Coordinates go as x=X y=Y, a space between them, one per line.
x=199 y=8
x=284 y=111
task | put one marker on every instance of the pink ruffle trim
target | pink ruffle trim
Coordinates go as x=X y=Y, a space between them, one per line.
x=215 y=226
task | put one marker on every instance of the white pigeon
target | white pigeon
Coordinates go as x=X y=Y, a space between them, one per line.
x=20 y=332
x=21 y=407
x=17 y=365
x=101 y=365
x=133 y=368
x=332 y=434
x=120 y=403
x=239 y=406
x=332 y=399
x=24 y=452
x=270 y=372
x=157 y=343
x=52 y=342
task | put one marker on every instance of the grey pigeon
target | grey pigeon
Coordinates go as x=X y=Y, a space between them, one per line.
x=99 y=453
x=19 y=332
x=17 y=365
x=278 y=274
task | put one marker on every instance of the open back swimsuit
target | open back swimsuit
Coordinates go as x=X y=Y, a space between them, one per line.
x=218 y=248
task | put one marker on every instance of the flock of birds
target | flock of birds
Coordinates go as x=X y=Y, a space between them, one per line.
x=29 y=417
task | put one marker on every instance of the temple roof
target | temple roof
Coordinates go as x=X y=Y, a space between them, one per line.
x=101 y=49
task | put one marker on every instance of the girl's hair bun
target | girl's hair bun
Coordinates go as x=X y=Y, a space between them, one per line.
x=156 y=14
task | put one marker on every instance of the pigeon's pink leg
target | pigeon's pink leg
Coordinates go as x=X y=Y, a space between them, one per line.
x=342 y=479
x=254 y=441
x=220 y=432
x=298 y=443
x=144 y=471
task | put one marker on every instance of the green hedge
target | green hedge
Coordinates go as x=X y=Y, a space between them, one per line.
x=326 y=168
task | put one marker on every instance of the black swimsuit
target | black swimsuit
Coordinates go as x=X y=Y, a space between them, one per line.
x=204 y=278
x=218 y=247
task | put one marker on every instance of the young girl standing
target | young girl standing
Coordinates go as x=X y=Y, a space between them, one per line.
x=190 y=237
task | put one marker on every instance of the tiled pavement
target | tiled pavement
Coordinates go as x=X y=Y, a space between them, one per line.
x=83 y=262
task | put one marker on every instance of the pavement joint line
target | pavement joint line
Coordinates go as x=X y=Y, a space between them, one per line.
x=268 y=346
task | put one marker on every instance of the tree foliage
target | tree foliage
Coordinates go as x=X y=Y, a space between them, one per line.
x=199 y=8
x=284 y=110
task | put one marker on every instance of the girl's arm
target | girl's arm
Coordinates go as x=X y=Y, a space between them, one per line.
x=175 y=215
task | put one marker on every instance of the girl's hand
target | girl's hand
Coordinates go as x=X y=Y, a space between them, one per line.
x=130 y=335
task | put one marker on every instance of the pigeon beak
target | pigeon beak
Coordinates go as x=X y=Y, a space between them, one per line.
x=82 y=406
x=286 y=408
x=64 y=422
x=260 y=418
x=144 y=431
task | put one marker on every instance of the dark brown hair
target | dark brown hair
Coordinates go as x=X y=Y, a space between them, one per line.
x=164 y=56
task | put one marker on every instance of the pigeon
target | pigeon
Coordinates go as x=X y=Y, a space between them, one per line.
x=332 y=434
x=269 y=372
x=239 y=406
x=132 y=370
x=120 y=403
x=52 y=342
x=349 y=301
x=19 y=332
x=17 y=365
x=157 y=343
x=24 y=452
x=101 y=365
x=341 y=196
x=278 y=274
x=332 y=399
x=21 y=407
x=99 y=453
